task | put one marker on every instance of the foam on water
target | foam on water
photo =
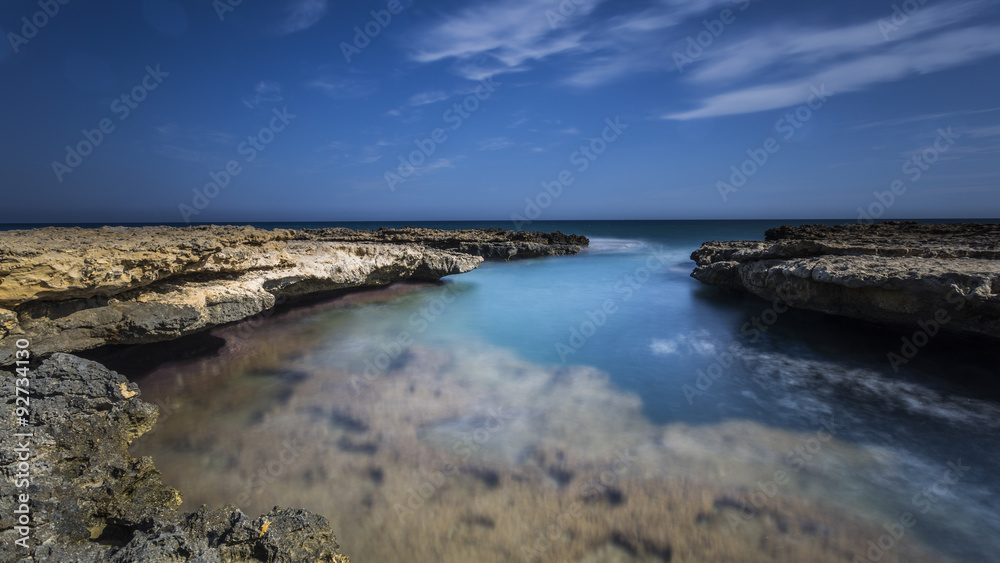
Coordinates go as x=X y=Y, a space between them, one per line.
x=598 y=245
x=697 y=342
x=798 y=378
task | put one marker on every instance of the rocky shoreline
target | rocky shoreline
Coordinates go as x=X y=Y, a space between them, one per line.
x=72 y=289
x=91 y=501
x=898 y=274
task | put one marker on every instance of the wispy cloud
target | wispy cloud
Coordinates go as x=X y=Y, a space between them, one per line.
x=497 y=37
x=263 y=92
x=845 y=59
x=411 y=110
x=636 y=42
x=923 y=117
x=518 y=122
x=424 y=98
x=302 y=14
x=370 y=154
x=191 y=143
x=342 y=153
x=767 y=68
x=804 y=46
x=504 y=37
x=437 y=164
x=442 y=163
x=343 y=88
x=985 y=132
x=495 y=144
x=200 y=136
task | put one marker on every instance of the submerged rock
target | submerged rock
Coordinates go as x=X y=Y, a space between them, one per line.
x=890 y=273
x=90 y=500
x=70 y=289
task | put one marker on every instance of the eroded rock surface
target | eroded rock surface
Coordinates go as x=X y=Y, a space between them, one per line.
x=91 y=501
x=67 y=289
x=70 y=289
x=491 y=244
x=891 y=273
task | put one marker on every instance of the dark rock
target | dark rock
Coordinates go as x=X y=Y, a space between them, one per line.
x=91 y=501
x=491 y=244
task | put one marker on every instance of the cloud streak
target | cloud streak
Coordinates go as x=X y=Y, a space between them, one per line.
x=799 y=46
x=424 y=98
x=934 y=54
x=344 y=88
x=766 y=68
x=265 y=91
x=302 y=14
x=498 y=37
x=514 y=35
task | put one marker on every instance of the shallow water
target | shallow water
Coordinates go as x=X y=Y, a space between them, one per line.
x=601 y=407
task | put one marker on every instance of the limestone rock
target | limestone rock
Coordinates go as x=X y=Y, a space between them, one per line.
x=69 y=289
x=890 y=273
x=491 y=244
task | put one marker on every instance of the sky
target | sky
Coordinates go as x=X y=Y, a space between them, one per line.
x=313 y=110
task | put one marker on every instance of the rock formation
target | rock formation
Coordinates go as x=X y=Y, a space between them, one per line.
x=90 y=500
x=889 y=273
x=491 y=244
x=69 y=289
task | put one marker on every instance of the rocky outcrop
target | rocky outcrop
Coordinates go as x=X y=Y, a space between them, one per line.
x=890 y=273
x=70 y=289
x=66 y=289
x=89 y=500
x=491 y=244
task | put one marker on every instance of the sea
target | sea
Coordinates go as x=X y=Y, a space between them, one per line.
x=603 y=406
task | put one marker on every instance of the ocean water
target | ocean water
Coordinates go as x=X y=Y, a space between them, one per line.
x=604 y=407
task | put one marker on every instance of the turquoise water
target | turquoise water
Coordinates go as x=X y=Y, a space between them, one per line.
x=693 y=356
x=803 y=369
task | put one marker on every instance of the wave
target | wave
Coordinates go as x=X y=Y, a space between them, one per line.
x=807 y=380
x=614 y=245
x=697 y=342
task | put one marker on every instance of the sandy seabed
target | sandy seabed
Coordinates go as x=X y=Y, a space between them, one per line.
x=469 y=453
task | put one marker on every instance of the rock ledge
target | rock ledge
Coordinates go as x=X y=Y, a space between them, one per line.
x=894 y=273
x=71 y=289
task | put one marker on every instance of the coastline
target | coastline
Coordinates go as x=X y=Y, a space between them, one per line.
x=71 y=289
x=926 y=277
x=692 y=451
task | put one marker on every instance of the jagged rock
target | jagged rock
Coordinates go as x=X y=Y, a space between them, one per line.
x=70 y=289
x=67 y=289
x=491 y=244
x=91 y=501
x=891 y=273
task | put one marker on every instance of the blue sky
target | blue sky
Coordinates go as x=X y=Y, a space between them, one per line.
x=445 y=110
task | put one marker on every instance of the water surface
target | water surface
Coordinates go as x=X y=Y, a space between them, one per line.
x=603 y=407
